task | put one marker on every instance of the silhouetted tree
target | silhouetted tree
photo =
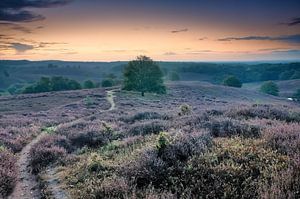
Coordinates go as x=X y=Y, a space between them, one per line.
x=88 y=84
x=232 y=81
x=107 y=83
x=269 y=88
x=143 y=75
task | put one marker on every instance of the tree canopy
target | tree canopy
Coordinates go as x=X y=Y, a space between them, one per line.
x=270 y=88
x=232 y=81
x=144 y=75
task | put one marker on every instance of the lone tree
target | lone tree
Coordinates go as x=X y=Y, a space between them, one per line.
x=143 y=75
x=232 y=81
x=269 y=88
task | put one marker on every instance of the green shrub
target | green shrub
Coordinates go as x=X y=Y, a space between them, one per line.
x=232 y=81
x=162 y=142
x=269 y=88
x=185 y=109
x=88 y=84
x=107 y=83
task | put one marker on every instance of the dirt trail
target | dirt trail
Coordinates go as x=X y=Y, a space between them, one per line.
x=51 y=176
x=26 y=187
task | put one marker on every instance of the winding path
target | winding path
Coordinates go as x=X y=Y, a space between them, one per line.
x=27 y=186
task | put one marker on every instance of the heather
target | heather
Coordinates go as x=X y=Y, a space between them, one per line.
x=193 y=142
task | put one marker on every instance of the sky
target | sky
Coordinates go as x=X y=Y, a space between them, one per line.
x=165 y=30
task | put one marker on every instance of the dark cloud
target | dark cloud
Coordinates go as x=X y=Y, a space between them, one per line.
x=20 y=48
x=180 y=30
x=293 y=22
x=14 y=26
x=19 y=4
x=19 y=16
x=13 y=10
x=284 y=38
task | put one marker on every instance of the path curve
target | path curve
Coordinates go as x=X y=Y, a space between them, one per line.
x=51 y=176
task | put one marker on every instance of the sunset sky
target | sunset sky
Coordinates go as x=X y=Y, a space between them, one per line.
x=167 y=30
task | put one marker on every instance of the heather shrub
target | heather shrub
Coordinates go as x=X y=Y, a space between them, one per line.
x=225 y=127
x=147 y=127
x=15 y=138
x=285 y=138
x=285 y=184
x=159 y=167
x=185 y=145
x=49 y=149
x=8 y=172
x=263 y=111
x=144 y=116
x=234 y=168
x=146 y=169
x=185 y=109
x=94 y=135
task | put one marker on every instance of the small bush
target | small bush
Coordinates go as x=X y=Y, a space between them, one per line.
x=144 y=116
x=269 y=88
x=49 y=149
x=232 y=81
x=88 y=84
x=224 y=127
x=285 y=138
x=92 y=136
x=107 y=83
x=162 y=142
x=147 y=127
x=185 y=109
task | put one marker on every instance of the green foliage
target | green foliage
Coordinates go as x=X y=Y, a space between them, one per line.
x=269 y=88
x=143 y=75
x=107 y=83
x=46 y=84
x=88 y=84
x=162 y=141
x=232 y=81
x=88 y=101
x=185 y=109
x=174 y=76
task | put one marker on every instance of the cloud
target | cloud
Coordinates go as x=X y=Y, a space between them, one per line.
x=20 y=48
x=202 y=38
x=283 y=38
x=180 y=30
x=170 y=53
x=293 y=22
x=14 y=26
x=19 y=16
x=13 y=10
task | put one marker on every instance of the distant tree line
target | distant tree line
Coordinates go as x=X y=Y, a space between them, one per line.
x=46 y=84
x=246 y=72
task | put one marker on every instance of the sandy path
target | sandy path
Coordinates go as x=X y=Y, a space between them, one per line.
x=51 y=176
x=26 y=187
